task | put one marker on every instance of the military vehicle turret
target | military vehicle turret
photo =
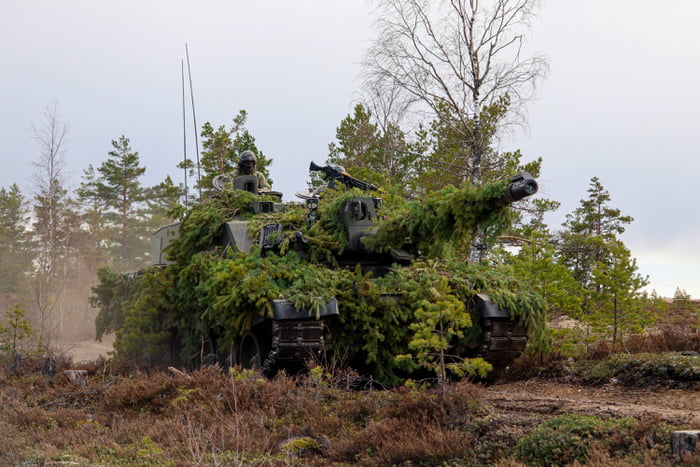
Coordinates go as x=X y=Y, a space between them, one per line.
x=247 y=279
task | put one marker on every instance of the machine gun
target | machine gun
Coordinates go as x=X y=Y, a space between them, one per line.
x=343 y=178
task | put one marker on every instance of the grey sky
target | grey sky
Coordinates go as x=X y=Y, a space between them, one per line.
x=620 y=102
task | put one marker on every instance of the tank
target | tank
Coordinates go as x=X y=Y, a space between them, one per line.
x=338 y=277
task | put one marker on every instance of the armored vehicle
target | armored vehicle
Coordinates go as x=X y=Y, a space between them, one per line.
x=245 y=279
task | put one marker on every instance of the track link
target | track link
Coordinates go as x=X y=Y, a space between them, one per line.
x=294 y=342
x=503 y=341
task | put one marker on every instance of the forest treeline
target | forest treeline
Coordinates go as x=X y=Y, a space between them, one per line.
x=53 y=243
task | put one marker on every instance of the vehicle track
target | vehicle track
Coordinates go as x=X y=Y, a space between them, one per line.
x=676 y=406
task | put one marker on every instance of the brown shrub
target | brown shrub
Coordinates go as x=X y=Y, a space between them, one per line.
x=12 y=442
x=198 y=432
x=461 y=401
x=208 y=418
x=600 y=350
x=393 y=441
x=554 y=365
x=601 y=458
x=99 y=367
x=668 y=338
x=345 y=412
x=29 y=418
x=414 y=407
x=152 y=393
x=209 y=412
x=464 y=398
x=69 y=417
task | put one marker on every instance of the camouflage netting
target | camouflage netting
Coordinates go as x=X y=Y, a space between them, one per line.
x=211 y=290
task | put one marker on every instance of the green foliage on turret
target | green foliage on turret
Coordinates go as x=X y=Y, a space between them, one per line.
x=201 y=224
x=447 y=217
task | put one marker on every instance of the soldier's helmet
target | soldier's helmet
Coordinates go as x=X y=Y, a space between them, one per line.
x=246 y=162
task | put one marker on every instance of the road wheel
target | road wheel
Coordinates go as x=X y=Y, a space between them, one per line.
x=253 y=352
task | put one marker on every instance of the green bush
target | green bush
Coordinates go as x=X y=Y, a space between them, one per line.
x=644 y=369
x=566 y=439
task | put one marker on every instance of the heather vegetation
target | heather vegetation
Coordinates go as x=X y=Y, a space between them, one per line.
x=206 y=417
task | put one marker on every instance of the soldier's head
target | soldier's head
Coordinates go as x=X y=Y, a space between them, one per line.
x=246 y=162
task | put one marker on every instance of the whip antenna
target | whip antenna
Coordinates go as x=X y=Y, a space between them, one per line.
x=184 y=129
x=194 y=119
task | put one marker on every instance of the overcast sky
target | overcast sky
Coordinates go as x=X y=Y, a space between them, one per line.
x=620 y=103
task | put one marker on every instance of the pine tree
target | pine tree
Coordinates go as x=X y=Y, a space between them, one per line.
x=438 y=321
x=618 y=292
x=221 y=148
x=587 y=232
x=15 y=247
x=376 y=155
x=685 y=312
x=15 y=330
x=163 y=201
x=119 y=197
x=97 y=239
x=536 y=264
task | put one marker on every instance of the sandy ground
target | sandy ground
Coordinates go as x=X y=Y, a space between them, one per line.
x=676 y=406
x=87 y=350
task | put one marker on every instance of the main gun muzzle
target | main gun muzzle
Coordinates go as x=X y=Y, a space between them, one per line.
x=521 y=186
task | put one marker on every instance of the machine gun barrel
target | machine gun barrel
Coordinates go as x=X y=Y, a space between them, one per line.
x=342 y=177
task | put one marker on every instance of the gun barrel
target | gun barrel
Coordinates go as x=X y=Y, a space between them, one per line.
x=343 y=177
x=521 y=186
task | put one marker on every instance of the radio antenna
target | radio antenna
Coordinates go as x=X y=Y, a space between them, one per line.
x=194 y=119
x=184 y=129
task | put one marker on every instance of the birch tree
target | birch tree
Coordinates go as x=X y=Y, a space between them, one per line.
x=50 y=233
x=457 y=59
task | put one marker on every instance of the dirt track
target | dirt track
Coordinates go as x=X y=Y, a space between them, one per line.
x=676 y=406
x=87 y=350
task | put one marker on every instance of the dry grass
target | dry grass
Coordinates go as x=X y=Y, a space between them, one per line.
x=207 y=418
x=672 y=337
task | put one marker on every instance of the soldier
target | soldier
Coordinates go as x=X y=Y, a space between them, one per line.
x=246 y=166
